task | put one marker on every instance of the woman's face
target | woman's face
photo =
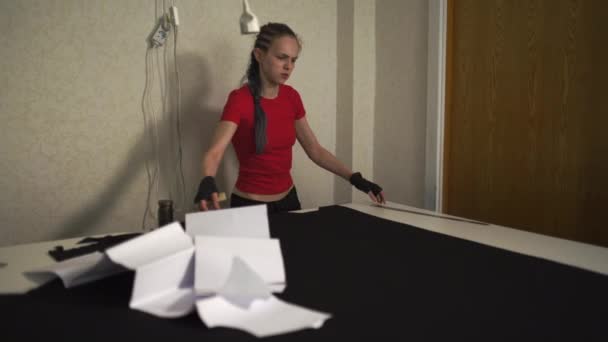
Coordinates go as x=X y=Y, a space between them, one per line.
x=277 y=64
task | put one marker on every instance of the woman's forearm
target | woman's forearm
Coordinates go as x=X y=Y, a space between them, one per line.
x=221 y=138
x=329 y=162
x=211 y=162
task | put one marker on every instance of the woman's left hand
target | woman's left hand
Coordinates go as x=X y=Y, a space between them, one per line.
x=372 y=189
x=379 y=198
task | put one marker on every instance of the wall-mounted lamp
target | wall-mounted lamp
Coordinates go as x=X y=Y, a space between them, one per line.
x=249 y=22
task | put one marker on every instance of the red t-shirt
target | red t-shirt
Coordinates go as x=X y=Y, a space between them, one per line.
x=267 y=173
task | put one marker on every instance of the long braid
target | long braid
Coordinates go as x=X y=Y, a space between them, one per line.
x=255 y=86
x=263 y=40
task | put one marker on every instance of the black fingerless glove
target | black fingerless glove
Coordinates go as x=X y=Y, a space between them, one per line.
x=364 y=185
x=205 y=189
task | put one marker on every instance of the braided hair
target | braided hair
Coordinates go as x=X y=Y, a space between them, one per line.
x=268 y=33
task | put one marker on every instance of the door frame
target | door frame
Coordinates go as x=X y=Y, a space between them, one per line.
x=437 y=50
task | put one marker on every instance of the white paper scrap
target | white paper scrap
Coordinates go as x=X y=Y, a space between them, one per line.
x=214 y=261
x=78 y=270
x=165 y=288
x=251 y=221
x=264 y=318
x=243 y=285
x=151 y=246
x=261 y=314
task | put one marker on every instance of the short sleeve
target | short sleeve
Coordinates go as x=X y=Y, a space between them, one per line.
x=232 y=109
x=298 y=106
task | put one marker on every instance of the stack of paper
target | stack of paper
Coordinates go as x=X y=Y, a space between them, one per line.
x=226 y=266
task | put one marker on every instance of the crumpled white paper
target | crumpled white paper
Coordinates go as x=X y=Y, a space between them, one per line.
x=245 y=302
x=228 y=273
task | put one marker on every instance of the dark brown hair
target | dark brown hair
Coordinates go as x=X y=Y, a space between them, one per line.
x=268 y=33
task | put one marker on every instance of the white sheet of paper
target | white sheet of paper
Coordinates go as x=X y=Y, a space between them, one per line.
x=78 y=270
x=244 y=304
x=151 y=246
x=214 y=259
x=243 y=285
x=165 y=287
x=265 y=317
x=251 y=221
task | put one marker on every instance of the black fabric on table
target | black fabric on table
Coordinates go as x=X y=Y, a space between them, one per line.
x=379 y=279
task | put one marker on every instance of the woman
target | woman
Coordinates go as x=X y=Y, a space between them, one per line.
x=263 y=118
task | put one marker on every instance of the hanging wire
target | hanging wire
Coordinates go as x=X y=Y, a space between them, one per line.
x=150 y=135
x=159 y=63
x=178 y=123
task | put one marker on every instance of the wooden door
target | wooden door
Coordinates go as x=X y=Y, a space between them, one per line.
x=526 y=135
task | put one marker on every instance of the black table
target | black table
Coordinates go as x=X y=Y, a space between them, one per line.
x=379 y=279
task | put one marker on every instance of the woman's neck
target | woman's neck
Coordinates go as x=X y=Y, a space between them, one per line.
x=269 y=90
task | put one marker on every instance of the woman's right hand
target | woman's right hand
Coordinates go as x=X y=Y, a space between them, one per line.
x=207 y=195
x=214 y=203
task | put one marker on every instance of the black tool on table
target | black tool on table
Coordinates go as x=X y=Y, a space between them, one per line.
x=94 y=244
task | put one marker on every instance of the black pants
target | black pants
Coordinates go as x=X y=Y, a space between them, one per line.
x=287 y=203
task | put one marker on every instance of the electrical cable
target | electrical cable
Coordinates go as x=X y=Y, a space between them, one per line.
x=156 y=138
x=151 y=123
x=150 y=133
x=165 y=100
x=178 y=123
x=155 y=62
x=143 y=109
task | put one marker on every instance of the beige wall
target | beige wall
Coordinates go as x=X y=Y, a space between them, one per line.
x=73 y=148
x=344 y=95
x=401 y=101
x=364 y=93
